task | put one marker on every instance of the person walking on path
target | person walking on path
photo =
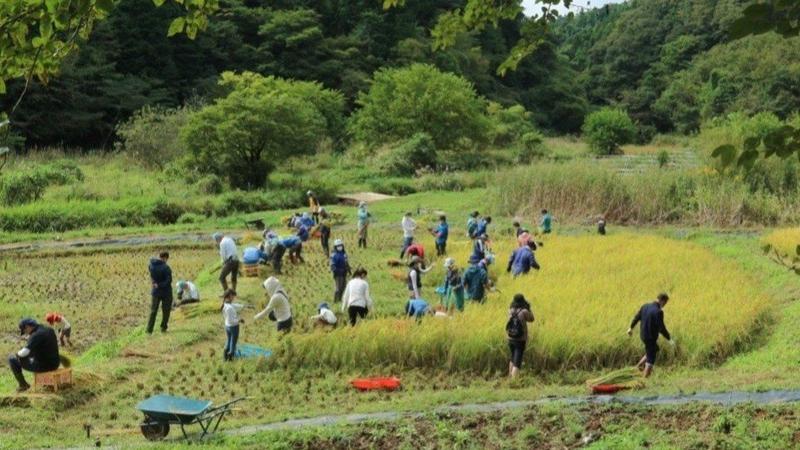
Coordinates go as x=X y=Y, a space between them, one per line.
x=313 y=206
x=340 y=267
x=187 y=292
x=356 y=300
x=414 y=279
x=161 y=293
x=325 y=316
x=522 y=260
x=409 y=225
x=40 y=353
x=519 y=314
x=454 y=287
x=472 y=224
x=476 y=280
x=546 y=222
x=230 y=313
x=651 y=315
x=364 y=219
x=230 y=260
x=441 y=233
x=325 y=231
x=65 y=329
x=278 y=307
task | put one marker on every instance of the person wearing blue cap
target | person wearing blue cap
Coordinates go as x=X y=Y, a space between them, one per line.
x=40 y=353
x=325 y=317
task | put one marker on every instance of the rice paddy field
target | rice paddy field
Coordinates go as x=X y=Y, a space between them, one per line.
x=732 y=315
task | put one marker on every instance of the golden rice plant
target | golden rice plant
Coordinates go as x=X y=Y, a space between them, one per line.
x=784 y=241
x=583 y=298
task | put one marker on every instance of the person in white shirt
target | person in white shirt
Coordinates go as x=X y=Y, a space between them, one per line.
x=326 y=317
x=230 y=260
x=414 y=279
x=187 y=292
x=278 y=308
x=409 y=225
x=356 y=300
x=230 y=312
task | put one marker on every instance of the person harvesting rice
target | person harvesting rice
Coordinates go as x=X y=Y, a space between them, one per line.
x=651 y=315
x=278 y=308
x=356 y=300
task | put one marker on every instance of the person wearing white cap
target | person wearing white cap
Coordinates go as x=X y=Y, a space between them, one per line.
x=278 y=308
x=230 y=260
x=340 y=268
x=363 y=224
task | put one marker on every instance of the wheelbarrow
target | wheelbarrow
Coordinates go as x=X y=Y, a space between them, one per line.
x=161 y=411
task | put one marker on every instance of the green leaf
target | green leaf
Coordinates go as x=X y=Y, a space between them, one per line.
x=158 y=2
x=766 y=248
x=797 y=250
x=747 y=159
x=176 y=26
x=752 y=143
x=726 y=153
x=2 y=90
x=104 y=5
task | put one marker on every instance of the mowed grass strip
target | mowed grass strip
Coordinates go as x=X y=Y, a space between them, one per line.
x=584 y=298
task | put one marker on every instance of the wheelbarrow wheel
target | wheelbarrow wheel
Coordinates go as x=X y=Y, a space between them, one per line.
x=155 y=431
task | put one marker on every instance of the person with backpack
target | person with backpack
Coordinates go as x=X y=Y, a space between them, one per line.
x=340 y=268
x=519 y=314
x=363 y=224
x=522 y=260
x=453 y=287
x=651 y=315
x=472 y=224
x=441 y=233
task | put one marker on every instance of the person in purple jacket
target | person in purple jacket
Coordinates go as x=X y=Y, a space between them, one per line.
x=522 y=260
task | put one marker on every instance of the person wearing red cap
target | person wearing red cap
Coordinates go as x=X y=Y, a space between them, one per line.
x=64 y=330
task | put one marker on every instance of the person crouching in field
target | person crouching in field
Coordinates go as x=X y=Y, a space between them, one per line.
x=522 y=260
x=651 y=315
x=356 y=300
x=519 y=314
x=187 y=292
x=325 y=317
x=64 y=330
x=230 y=313
x=417 y=308
x=278 y=308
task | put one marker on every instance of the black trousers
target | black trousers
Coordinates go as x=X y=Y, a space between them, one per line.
x=277 y=257
x=441 y=249
x=354 y=312
x=17 y=364
x=324 y=240
x=517 y=349
x=231 y=267
x=166 y=307
x=340 y=282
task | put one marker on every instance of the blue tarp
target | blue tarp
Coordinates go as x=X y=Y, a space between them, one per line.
x=252 y=351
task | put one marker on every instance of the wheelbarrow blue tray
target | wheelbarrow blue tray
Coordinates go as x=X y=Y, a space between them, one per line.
x=167 y=407
x=252 y=351
x=161 y=411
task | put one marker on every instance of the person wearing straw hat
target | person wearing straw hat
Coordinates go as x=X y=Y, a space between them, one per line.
x=363 y=224
x=40 y=353
x=325 y=317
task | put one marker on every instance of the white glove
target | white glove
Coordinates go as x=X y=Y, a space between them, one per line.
x=671 y=342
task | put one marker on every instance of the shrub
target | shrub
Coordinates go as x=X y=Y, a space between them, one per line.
x=608 y=129
x=393 y=186
x=188 y=218
x=529 y=148
x=23 y=187
x=210 y=184
x=152 y=135
x=416 y=153
x=508 y=125
x=167 y=212
x=419 y=99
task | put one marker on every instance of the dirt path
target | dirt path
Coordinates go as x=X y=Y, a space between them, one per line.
x=126 y=241
x=723 y=399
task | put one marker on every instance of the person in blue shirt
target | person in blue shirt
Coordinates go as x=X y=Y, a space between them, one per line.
x=522 y=260
x=651 y=315
x=472 y=224
x=483 y=226
x=441 y=233
x=295 y=247
x=302 y=232
x=340 y=268
x=480 y=248
x=363 y=224
x=416 y=308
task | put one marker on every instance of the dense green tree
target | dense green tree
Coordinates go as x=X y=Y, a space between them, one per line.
x=608 y=129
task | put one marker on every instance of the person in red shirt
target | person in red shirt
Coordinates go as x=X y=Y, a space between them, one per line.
x=416 y=249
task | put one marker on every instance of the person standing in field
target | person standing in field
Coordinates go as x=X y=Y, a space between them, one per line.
x=278 y=308
x=340 y=268
x=325 y=231
x=356 y=300
x=230 y=313
x=519 y=315
x=453 y=286
x=65 y=329
x=161 y=293
x=546 y=222
x=476 y=280
x=40 y=353
x=601 y=226
x=187 y=292
x=480 y=247
x=472 y=224
x=517 y=228
x=313 y=206
x=230 y=260
x=483 y=226
x=441 y=233
x=363 y=224
x=524 y=237
x=409 y=226
x=414 y=278
x=522 y=260
x=651 y=315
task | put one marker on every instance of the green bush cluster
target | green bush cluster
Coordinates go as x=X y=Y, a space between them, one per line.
x=608 y=129
x=580 y=191
x=416 y=153
x=152 y=135
x=25 y=186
